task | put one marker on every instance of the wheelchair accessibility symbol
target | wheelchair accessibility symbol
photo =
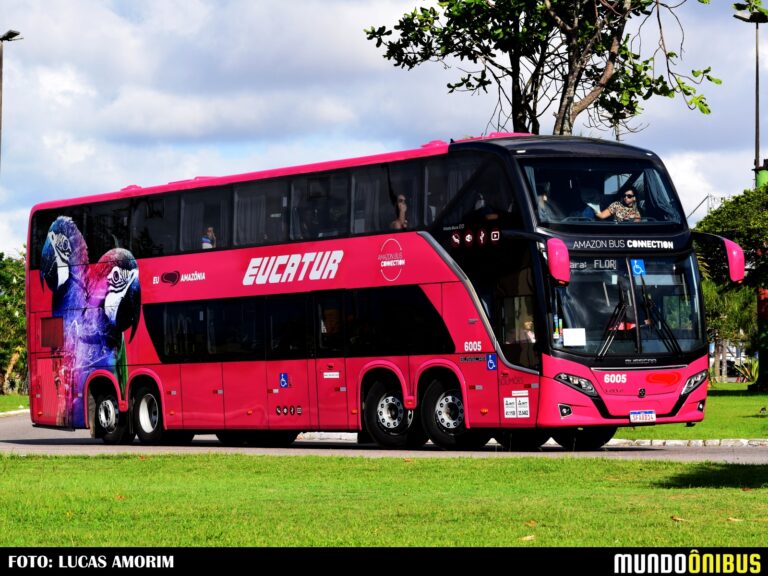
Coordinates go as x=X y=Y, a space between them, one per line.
x=490 y=361
x=638 y=267
x=283 y=379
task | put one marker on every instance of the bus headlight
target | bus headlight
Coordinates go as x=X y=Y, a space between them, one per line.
x=580 y=384
x=694 y=382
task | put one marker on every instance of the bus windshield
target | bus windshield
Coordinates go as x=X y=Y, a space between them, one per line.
x=625 y=306
x=600 y=191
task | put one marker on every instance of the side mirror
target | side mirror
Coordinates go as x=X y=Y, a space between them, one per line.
x=559 y=261
x=735 y=260
x=733 y=252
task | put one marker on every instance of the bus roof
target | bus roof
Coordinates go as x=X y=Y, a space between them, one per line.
x=519 y=143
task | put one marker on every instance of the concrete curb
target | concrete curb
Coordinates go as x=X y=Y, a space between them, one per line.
x=14 y=412
x=616 y=442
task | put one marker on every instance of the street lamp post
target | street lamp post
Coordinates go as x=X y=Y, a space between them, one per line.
x=757 y=18
x=761 y=178
x=9 y=36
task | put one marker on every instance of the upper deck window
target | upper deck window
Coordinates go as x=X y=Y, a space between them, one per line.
x=600 y=191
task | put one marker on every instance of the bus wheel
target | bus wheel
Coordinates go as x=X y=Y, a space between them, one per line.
x=386 y=418
x=443 y=419
x=518 y=440
x=148 y=417
x=111 y=425
x=583 y=439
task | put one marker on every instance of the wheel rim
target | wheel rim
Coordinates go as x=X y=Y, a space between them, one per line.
x=449 y=411
x=108 y=415
x=390 y=413
x=149 y=413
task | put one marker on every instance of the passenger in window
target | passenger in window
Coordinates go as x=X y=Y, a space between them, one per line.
x=548 y=212
x=528 y=333
x=588 y=207
x=400 y=222
x=208 y=239
x=625 y=210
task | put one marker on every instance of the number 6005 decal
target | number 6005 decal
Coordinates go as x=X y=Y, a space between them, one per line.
x=615 y=378
x=472 y=346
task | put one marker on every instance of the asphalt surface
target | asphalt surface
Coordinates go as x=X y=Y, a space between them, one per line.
x=18 y=436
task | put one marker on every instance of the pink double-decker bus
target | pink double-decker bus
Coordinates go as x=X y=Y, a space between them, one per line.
x=511 y=287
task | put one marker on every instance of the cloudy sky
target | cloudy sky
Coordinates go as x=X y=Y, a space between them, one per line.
x=102 y=94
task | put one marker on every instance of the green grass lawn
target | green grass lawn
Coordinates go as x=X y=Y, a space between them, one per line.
x=10 y=402
x=731 y=412
x=235 y=500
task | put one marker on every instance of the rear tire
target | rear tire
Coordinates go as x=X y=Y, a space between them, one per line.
x=521 y=440
x=148 y=416
x=583 y=439
x=111 y=424
x=442 y=415
x=388 y=421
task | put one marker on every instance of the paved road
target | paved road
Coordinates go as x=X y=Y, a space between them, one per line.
x=18 y=436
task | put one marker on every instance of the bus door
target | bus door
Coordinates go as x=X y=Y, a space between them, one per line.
x=51 y=398
x=330 y=373
x=288 y=368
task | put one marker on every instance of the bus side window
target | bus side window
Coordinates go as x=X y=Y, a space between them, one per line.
x=445 y=177
x=261 y=212
x=106 y=228
x=204 y=209
x=155 y=226
x=371 y=206
x=406 y=179
x=287 y=327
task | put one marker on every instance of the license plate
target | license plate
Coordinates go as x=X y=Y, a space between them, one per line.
x=642 y=416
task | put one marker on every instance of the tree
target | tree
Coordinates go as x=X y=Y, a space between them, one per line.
x=13 y=324
x=538 y=52
x=731 y=317
x=743 y=219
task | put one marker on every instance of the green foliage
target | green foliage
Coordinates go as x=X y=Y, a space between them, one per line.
x=731 y=412
x=12 y=402
x=13 y=324
x=731 y=313
x=748 y=369
x=243 y=500
x=540 y=53
x=743 y=219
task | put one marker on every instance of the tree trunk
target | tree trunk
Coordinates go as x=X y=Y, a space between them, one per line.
x=8 y=371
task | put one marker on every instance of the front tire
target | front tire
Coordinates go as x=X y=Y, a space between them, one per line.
x=112 y=425
x=443 y=418
x=148 y=415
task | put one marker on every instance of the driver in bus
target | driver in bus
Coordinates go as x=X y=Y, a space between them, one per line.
x=625 y=210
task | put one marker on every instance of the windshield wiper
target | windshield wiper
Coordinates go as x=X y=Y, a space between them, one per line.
x=617 y=317
x=662 y=328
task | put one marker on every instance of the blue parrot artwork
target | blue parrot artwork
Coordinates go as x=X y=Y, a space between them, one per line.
x=97 y=303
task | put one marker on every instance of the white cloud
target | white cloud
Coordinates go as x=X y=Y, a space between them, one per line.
x=698 y=175
x=65 y=150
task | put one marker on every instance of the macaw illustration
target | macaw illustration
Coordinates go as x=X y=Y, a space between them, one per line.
x=97 y=304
